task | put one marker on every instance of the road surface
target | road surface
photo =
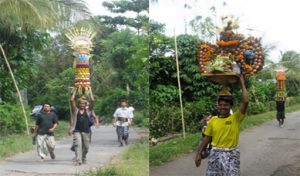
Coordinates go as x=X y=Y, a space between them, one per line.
x=104 y=147
x=266 y=150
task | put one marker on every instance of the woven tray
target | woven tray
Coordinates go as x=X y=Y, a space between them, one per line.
x=222 y=78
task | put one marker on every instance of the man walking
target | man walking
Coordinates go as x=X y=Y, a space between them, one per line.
x=94 y=120
x=80 y=126
x=122 y=119
x=45 y=125
x=223 y=132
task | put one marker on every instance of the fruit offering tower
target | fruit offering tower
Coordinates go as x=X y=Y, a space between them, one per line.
x=280 y=85
x=81 y=43
x=233 y=54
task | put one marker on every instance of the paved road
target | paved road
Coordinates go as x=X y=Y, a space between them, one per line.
x=266 y=150
x=103 y=148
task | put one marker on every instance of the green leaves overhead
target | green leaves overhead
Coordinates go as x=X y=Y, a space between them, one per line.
x=43 y=14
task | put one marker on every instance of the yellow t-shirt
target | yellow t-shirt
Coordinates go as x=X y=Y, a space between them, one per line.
x=225 y=131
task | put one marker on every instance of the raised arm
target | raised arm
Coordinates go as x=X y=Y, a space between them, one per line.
x=72 y=102
x=245 y=101
x=92 y=101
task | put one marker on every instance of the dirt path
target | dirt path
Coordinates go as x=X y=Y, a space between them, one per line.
x=266 y=150
x=103 y=148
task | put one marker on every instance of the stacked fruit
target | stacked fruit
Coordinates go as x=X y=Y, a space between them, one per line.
x=250 y=55
x=280 y=85
x=246 y=53
x=205 y=55
x=221 y=64
x=81 y=43
x=82 y=71
x=280 y=77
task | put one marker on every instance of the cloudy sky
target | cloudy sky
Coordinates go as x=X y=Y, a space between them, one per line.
x=97 y=9
x=277 y=21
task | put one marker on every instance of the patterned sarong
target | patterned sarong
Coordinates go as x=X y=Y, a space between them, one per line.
x=223 y=162
x=123 y=133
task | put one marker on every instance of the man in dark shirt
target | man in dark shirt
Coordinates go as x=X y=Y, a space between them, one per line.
x=45 y=125
x=80 y=126
x=280 y=112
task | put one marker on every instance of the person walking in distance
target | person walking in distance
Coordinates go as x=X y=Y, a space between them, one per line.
x=280 y=107
x=45 y=125
x=80 y=126
x=122 y=119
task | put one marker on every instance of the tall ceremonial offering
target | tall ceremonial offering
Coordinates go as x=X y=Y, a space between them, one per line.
x=232 y=55
x=81 y=43
x=280 y=85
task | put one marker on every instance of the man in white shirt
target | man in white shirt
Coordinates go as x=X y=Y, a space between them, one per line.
x=122 y=120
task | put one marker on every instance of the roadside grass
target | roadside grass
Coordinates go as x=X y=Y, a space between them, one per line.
x=16 y=143
x=170 y=150
x=133 y=162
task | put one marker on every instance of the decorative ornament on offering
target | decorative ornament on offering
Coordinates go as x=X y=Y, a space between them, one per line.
x=81 y=43
x=280 y=85
x=232 y=55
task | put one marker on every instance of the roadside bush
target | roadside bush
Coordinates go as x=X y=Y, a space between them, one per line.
x=11 y=119
x=195 y=111
x=165 y=120
x=270 y=106
x=107 y=105
x=293 y=101
x=140 y=119
x=256 y=108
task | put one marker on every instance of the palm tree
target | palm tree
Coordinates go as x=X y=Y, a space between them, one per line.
x=40 y=14
x=43 y=14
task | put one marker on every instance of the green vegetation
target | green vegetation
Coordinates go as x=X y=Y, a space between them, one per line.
x=41 y=59
x=133 y=162
x=169 y=150
x=13 y=144
x=11 y=119
x=199 y=95
x=16 y=143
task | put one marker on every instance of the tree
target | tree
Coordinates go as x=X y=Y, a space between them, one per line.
x=23 y=51
x=29 y=14
x=198 y=94
x=139 y=7
x=127 y=55
x=42 y=14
